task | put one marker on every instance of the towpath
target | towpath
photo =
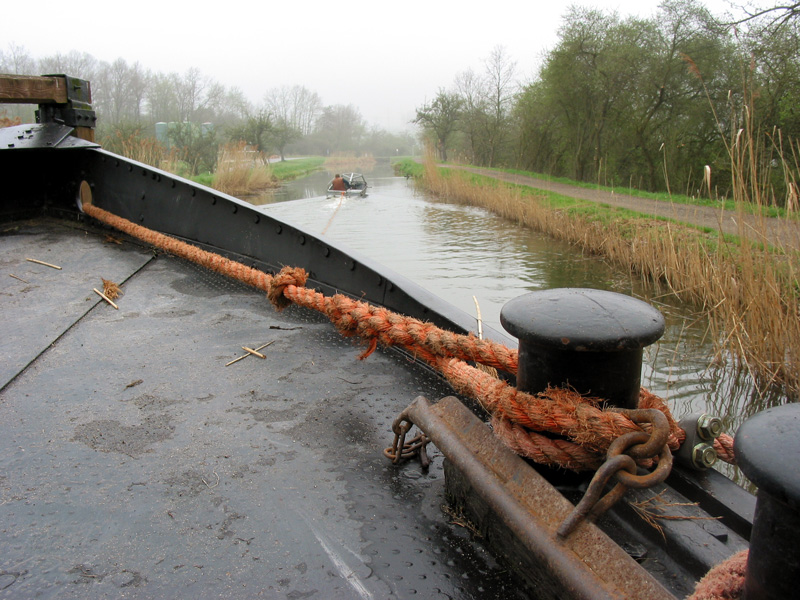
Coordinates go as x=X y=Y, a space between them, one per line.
x=775 y=231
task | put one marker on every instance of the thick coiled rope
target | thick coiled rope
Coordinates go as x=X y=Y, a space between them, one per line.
x=521 y=420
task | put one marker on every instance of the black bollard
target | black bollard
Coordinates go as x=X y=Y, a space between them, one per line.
x=767 y=449
x=589 y=340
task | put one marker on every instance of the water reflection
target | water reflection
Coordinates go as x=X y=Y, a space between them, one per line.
x=457 y=252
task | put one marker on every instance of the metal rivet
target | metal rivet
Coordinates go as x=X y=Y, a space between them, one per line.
x=302 y=240
x=235 y=209
x=327 y=252
x=257 y=219
x=278 y=229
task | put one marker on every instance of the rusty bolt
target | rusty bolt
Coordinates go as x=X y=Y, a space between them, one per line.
x=703 y=456
x=709 y=427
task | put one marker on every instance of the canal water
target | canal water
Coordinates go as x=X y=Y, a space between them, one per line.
x=458 y=252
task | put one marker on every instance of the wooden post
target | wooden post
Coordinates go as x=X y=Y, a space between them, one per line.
x=46 y=90
x=24 y=89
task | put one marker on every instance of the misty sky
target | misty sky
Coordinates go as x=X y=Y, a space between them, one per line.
x=384 y=57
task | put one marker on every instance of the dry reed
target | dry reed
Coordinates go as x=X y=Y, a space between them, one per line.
x=111 y=289
x=147 y=150
x=9 y=122
x=241 y=172
x=347 y=162
x=749 y=293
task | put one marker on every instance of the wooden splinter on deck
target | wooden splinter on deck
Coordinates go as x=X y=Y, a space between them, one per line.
x=254 y=352
x=41 y=262
x=106 y=298
x=249 y=352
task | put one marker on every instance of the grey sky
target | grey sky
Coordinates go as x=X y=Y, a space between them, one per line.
x=384 y=57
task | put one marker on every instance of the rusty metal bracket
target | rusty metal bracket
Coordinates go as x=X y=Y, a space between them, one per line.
x=76 y=112
x=524 y=510
x=697 y=450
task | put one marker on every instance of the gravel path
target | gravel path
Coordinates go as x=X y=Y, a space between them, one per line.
x=778 y=232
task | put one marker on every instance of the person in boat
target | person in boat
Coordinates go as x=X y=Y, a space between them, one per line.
x=339 y=183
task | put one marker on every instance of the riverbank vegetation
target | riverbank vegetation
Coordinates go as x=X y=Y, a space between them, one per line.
x=238 y=169
x=749 y=292
x=347 y=162
x=189 y=116
x=687 y=106
x=635 y=102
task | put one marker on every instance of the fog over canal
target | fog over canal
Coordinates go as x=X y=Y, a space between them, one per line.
x=459 y=251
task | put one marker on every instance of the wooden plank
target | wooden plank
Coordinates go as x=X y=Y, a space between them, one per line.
x=84 y=133
x=25 y=89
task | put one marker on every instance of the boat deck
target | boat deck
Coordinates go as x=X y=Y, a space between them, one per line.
x=136 y=464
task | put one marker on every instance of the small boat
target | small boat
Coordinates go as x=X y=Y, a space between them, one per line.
x=187 y=440
x=355 y=185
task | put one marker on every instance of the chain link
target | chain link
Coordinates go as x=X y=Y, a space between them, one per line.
x=403 y=449
x=620 y=464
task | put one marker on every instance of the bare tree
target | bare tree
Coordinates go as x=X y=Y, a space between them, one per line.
x=197 y=96
x=307 y=106
x=162 y=98
x=472 y=90
x=340 y=128
x=119 y=91
x=234 y=108
x=296 y=107
x=74 y=63
x=16 y=60
x=500 y=89
x=774 y=17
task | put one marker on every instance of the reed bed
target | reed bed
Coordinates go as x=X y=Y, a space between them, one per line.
x=147 y=150
x=343 y=162
x=241 y=172
x=749 y=292
x=9 y=122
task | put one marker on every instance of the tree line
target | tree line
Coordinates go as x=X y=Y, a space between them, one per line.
x=641 y=102
x=129 y=100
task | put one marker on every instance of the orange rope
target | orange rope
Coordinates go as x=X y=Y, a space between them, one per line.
x=517 y=416
x=724 y=581
x=545 y=450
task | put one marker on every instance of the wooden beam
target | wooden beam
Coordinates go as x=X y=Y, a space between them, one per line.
x=25 y=89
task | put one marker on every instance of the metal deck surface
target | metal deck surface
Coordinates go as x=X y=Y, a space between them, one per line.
x=136 y=464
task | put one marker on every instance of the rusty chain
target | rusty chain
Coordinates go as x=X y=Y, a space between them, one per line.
x=403 y=449
x=620 y=462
